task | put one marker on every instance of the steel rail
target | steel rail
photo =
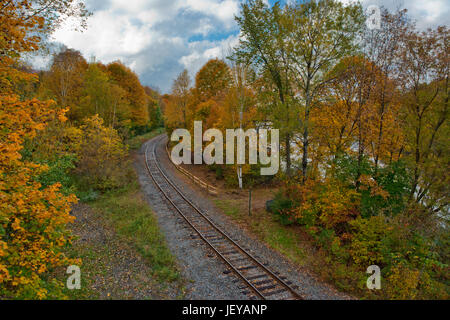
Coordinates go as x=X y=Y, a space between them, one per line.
x=216 y=228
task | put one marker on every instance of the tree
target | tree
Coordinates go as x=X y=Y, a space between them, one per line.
x=155 y=107
x=65 y=80
x=425 y=66
x=102 y=97
x=213 y=80
x=33 y=217
x=181 y=92
x=23 y=24
x=319 y=34
x=381 y=46
x=349 y=121
x=135 y=93
x=101 y=155
x=263 y=45
x=173 y=118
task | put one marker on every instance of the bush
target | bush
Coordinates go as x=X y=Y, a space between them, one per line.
x=338 y=205
x=346 y=169
x=33 y=217
x=388 y=192
x=402 y=282
x=281 y=207
x=218 y=170
x=59 y=171
x=102 y=156
x=369 y=242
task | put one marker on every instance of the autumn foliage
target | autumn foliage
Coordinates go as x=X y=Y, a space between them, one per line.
x=32 y=217
x=101 y=155
x=363 y=118
x=58 y=137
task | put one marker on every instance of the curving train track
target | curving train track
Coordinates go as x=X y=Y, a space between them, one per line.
x=263 y=283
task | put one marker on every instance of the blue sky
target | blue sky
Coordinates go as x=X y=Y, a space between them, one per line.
x=159 y=38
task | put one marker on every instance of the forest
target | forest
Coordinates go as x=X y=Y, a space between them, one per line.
x=62 y=140
x=363 y=119
x=362 y=114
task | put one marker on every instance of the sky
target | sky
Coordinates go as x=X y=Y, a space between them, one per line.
x=159 y=38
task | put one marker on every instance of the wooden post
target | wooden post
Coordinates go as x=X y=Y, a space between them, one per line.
x=250 y=202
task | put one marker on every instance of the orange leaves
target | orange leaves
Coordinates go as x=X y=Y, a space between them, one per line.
x=32 y=219
x=338 y=205
x=369 y=183
x=328 y=204
x=133 y=90
x=213 y=79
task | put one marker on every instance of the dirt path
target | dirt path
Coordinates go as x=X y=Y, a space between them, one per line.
x=209 y=277
x=112 y=268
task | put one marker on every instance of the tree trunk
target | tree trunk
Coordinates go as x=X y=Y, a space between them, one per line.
x=305 y=154
x=288 y=155
x=306 y=134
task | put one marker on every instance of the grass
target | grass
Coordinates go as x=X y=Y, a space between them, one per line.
x=282 y=238
x=137 y=142
x=126 y=211
x=133 y=219
x=128 y=214
x=228 y=207
x=91 y=269
x=292 y=243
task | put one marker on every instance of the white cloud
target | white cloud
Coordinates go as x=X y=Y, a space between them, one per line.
x=107 y=37
x=152 y=36
x=222 y=10
x=158 y=38
x=427 y=13
x=202 y=51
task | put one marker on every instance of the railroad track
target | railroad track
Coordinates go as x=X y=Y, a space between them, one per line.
x=262 y=283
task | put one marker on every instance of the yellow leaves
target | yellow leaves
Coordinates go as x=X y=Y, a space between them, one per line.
x=16 y=225
x=402 y=283
x=367 y=246
x=132 y=90
x=62 y=117
x=338 y=205
x=32 y=218
x=327 y=204
x=42 y=294
x=27 y=248
x=101 y=154
x=4 y=273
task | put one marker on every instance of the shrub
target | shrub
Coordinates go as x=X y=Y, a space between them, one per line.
x=346 y=169
x=59 y=171
x=218 y=170
x=101 y=156
x=369 y=242
x=33 y=217
x=386 y=192
x=402 y=282
x=281 y=206
x=338 y=205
